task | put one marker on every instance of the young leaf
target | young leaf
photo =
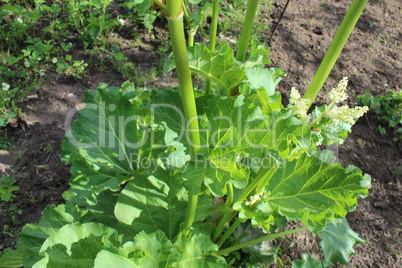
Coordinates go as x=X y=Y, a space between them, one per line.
x=157 y=250
x=219 y=66
x=198 y=251
x=310 y=261
x=338 y=241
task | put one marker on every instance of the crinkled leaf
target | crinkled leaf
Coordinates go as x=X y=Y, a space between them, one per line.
x=313 y=190
x=151 y=203
x=260 y=78
x=310 y=261
x=258 y=55
x=156 y=202
x=77 y=245
x=260 y=88
x=109 y=139
x=234 y=130
x=74 y=232
x=198 y=251
x=338 y=241
x=219 y=66
x=156 y=250
x=34 y=235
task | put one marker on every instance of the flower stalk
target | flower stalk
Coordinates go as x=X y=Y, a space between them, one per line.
x=335 y=49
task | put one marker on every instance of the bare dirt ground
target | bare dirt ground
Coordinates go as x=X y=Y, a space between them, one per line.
x=371 y=60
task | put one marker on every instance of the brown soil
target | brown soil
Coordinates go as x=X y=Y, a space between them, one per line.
x=371 y=60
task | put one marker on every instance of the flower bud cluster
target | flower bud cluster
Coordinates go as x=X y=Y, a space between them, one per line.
x=298 y=105
x=345 y=114
x=254 y=198
x=338 y=94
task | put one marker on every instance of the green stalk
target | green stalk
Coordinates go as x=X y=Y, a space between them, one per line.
x=226 y=218
x=212 y=37
x=178 y=41
x=242 y=45
x=335 y=49
x=259 y=240
x=263 y=182
x=190 y=33
x=214 y=25
x=229 y=231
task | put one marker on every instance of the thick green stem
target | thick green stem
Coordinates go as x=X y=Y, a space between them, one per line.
x=242 y=45
x=176 y=31
x=264 y=181
x=226 y=218
x=335 y=49
x=259 y=240
x=212 y=37
x=229 y=231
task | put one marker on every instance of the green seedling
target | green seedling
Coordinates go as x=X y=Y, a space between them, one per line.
x=7 y=188
x=388 y=109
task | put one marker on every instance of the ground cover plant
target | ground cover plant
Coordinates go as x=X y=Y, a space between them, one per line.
x=388 y=108
x=208 y=111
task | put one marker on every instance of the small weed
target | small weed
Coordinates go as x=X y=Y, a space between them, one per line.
x=388 y=109
x=5 y=141
x=7 y=188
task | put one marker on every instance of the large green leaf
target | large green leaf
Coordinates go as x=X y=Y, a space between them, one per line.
x=77 y=245
x=310 y=261
x=34 y=235
x=111 y=140
x=314 y=189
x=156 y=202
x=234 y=131
x=151 y=203
x=338 y=241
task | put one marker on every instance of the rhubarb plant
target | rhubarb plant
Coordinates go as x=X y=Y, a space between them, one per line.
x=200 y=178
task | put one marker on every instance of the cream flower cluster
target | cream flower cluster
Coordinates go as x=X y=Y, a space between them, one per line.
x=297 y=104
x=338 y=94
x=254 y=198
x=345 y=114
